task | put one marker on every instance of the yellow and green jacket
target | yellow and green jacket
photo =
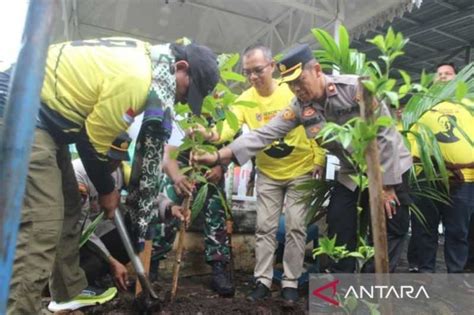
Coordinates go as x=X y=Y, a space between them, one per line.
x=92 y=91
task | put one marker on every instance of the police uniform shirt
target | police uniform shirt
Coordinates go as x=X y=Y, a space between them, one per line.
x=339 y=107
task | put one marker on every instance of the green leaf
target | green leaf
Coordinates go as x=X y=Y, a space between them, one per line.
x=403 y=90
x=278 y=57
x=389 y=84
x=186 y=169
x=351 y=304
x=356 y=255
x=230 y=60
x=369 y=85
x=232 y=120
x=393 y=97
x=327 y=42
x=199 y=201
x=395 y=55
x=461 y=90
x=384 y=121
x=344 y=47
x=182 y=109
x=379 y=42
x=346 y=140
x=390 y=38
x=405 y=76
x=376 y=67
x=233 y=76
x=208 y=104
x=90 y=229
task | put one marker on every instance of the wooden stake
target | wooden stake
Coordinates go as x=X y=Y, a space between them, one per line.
x=145 y=257
x=230 y=230
x=377 y=211
x=374 y=174
x=179 y=251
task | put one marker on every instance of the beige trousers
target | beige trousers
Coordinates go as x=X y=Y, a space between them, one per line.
x=270 y=197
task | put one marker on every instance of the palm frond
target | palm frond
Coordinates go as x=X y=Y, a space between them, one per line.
x=315 y=195
x=420 y=103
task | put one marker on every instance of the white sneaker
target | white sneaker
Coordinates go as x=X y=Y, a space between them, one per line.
x=88 y=297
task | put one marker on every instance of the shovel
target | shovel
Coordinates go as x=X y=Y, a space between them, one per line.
x=136 y=262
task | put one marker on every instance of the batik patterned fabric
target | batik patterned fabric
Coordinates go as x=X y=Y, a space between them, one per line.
x=154 y=132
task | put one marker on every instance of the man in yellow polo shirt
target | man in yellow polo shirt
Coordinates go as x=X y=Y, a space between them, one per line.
x=91 y=92
x=453 y=126
x=282 y=166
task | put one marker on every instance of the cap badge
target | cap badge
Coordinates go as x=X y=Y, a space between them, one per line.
x=282 y=67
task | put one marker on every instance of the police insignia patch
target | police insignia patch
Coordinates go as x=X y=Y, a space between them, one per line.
x=315 y=129
x=288 y=114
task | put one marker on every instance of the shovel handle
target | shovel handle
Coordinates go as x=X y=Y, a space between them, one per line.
x=134 y=258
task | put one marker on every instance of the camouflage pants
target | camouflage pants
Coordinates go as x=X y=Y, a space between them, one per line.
x=215 y=236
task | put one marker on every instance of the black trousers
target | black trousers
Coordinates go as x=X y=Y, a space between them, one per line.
x=456 y=218
x=342 y=221
x=94 y=264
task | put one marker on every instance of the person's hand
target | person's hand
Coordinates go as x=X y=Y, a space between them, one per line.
x=204 y=158
x=390 y=201
x=318 y=172
x=181 y=214
x=119 y=273
x=183 y=186
x=214 y=175
x=109 y=202
x=208 y=135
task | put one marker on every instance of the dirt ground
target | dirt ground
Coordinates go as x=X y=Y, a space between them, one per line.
x=195 y=297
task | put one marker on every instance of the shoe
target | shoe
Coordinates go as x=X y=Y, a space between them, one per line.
x=89 y=296
x=413 y=270
x=261 y=291
x=220 y=281
x=290 y=295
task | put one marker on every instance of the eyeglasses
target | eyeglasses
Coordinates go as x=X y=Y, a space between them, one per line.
x=257 y=70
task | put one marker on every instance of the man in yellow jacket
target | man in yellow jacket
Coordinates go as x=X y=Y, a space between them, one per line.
x=453 y=127
x=91 y=93
x=281 y=166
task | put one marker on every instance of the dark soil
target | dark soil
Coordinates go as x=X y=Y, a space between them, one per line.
x=195 y=297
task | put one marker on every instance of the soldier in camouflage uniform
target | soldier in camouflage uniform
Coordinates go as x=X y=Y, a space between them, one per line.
x=176 y=186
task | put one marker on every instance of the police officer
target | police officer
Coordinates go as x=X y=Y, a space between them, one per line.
x=322 y=98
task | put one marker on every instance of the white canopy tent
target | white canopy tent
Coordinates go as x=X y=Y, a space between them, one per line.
x=223 y=25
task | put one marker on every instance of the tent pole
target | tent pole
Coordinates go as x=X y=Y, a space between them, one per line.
x=17 y=131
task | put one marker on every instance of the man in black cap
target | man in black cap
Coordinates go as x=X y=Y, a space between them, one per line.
x=322 y=98
x=92 y=91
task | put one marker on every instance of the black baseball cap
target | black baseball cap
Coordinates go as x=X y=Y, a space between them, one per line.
x=203 y=72
x=119 y=148
x=292 y=63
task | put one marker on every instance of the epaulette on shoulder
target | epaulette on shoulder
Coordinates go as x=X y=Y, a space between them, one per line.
x=348 y=79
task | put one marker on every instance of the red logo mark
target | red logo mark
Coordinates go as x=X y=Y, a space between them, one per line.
x=326 y=298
